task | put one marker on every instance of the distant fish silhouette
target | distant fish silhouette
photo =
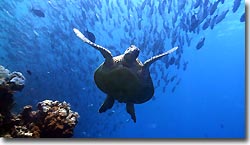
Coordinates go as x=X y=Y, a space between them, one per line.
x=172 y=78
x=213 y=21
x=242 y=18
x=89 y=35
x=214 y=7
x=185 y=65
x=38 y=12
x=172 y=60
x=221 y=16
x=173 y=89
x=236 y=5
x=200 y=43
x=206 y=24
x=29 y=72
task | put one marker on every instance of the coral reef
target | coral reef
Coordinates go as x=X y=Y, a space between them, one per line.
x=9 y=84
x=52 y=119
x=11 y=81
x=59 y=119
x=6 y=103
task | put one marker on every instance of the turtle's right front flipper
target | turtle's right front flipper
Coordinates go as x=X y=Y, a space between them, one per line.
x=105 y=52
x=148 y=62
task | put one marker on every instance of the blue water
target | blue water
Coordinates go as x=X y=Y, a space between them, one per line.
x=209 y=101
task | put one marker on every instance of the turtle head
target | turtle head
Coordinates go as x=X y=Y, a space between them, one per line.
x=131 y=53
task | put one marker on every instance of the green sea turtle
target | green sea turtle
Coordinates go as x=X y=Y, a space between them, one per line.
x=124 y=78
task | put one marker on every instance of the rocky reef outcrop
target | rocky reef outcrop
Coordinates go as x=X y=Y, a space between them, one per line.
x=52 y=119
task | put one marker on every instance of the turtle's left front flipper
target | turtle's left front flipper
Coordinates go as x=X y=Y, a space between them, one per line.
x=107 y=104
x=148 y=62
x=105 y=52
x=131 y=110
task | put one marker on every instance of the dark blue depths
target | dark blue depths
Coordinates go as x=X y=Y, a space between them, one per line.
x=199 y=90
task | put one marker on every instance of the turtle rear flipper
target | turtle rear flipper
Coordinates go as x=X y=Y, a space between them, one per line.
x=131 y=110
x=108 y=104
x=105 y=52
x=148 y=62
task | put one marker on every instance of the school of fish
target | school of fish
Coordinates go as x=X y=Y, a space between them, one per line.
x=39 y=42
